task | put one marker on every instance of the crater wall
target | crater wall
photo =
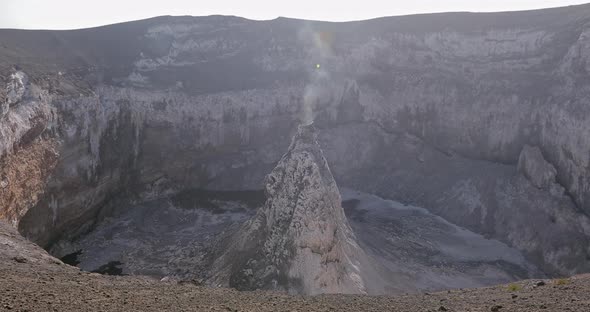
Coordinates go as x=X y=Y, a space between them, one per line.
x=433 y=110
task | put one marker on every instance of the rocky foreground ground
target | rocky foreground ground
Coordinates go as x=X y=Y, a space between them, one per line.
x=31 y=280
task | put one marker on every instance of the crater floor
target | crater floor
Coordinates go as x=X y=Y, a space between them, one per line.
x=30 y=280
x=165 y=237
x=414 y=249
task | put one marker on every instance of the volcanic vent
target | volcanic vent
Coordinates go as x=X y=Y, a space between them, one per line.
x=300 y=240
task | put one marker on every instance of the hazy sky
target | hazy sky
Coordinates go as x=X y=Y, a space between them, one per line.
x=67 y=14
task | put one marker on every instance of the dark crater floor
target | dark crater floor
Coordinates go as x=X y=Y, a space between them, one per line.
x=172 y=237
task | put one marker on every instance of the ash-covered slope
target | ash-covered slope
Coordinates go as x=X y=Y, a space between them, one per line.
x=300 y=241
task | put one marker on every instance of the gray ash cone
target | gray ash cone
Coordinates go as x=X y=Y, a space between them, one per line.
x=300 y=240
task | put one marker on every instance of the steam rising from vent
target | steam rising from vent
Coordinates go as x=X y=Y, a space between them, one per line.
x=318 y=47
x=312 y=94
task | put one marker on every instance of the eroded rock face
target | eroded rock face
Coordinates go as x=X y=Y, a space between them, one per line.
x=300 y=241
x=16 y=87
x=23 y=123
x=27 y=157
x=4 y=108
x=23 y=178
x=14 y=91
x=534 y=167
x=145 y=144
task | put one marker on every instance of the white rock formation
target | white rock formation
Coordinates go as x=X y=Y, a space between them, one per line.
x=534 y=167
x=15 y=90
x=25 y=114
x=16 y=87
